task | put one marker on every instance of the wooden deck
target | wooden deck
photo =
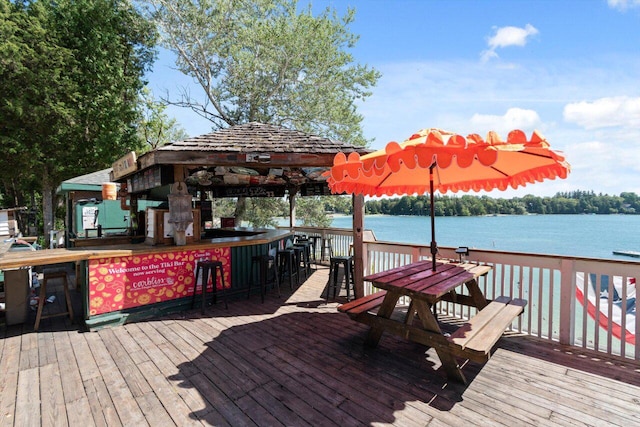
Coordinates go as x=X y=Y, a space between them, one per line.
x=293 y=361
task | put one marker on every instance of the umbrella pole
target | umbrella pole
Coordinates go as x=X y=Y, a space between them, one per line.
x=434 y=245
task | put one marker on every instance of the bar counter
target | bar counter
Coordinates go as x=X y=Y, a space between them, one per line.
x=127 y=282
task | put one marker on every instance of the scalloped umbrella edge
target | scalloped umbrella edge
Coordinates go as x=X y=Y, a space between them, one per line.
x=436 y=160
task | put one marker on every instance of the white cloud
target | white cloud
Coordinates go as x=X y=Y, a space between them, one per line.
x=514 y=118
x=505 y=37
x=512 y=36
x=604 y=112
x=623 y=4
x=606 y=165
x=487 y=55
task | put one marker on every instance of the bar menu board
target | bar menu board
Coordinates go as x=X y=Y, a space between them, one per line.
x=315 y=189
x=249 y=191
x=152 y=177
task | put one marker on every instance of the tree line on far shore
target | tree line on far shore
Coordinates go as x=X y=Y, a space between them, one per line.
x=575 y=202
x=315 y=211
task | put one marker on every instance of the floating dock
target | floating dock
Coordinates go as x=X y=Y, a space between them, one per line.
x=635 y=254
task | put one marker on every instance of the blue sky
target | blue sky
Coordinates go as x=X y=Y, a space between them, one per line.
x=570 y=69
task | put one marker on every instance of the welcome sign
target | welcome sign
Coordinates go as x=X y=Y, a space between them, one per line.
x=118 y=283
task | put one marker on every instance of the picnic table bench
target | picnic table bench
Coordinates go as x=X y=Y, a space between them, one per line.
x=473 y=340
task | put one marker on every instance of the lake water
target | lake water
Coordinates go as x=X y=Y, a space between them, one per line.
x=575 y=235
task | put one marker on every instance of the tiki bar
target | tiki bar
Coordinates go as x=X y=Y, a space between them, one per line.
x=150 y=267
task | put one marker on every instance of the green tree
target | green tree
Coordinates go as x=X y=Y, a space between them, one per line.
x=263 y=211
x=533 y=204
x=420 y=207
x=372 y=207
x=35 y=100
x=72 y=72
x=311 y=211
x=154 y=126
x=562 y=203
x=338 y=204
x=268 y=62
x=631 y=202
x=262 y=60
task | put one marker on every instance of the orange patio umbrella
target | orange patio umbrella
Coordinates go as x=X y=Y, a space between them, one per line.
x=436 y=160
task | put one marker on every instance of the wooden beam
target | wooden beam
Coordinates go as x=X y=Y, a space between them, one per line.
x=180 y=173
x=210 y=158
x=358 y=244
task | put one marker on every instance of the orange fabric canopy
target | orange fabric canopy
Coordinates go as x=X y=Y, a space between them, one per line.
x=459 y=164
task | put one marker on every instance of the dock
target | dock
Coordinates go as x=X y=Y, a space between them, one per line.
x=294 y=360
x=634 y=254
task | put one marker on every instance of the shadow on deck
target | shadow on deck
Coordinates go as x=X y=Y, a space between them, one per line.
x=294 y=360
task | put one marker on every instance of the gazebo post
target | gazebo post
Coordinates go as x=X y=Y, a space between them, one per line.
x=292 y=206
x=358 y=244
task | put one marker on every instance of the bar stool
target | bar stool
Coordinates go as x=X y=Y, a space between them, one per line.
x=304 y=255
x=326 y=246
x=48 y=275
x=210 y=270
x=266 y=263
x=286 y=259
x=314 y=244
x=297 y=260
x=334 y=263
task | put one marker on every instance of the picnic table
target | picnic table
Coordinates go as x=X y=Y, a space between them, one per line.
x=425 y=287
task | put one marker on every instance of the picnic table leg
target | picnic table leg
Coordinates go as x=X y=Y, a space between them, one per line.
x=385 y=310
x=449 y=362
x=476 y=294
x=411 y=314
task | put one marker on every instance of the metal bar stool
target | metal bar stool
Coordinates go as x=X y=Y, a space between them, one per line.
x=299 y=262
x=42 y=299
x=210 y=270
x=304 y=259
x=266 y=264
x=286 y=259
x=332 y=284
x=314 y=245
x=326 y=246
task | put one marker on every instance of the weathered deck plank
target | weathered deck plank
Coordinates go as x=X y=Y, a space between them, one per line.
x=53 y=410
x=28 y=398
x=102 y=408
x=293 y=361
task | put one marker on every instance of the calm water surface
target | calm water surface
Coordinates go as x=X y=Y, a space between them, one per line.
x=577 y=235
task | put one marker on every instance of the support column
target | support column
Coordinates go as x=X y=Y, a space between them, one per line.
x=358 y=244
x=293 y=191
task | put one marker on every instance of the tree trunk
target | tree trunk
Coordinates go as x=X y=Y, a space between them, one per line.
x=292 y=206
x=47 y=207
x=241 y=208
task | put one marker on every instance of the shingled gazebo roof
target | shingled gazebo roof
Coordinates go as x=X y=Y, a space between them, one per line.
x=249 y=143
x=253 y=159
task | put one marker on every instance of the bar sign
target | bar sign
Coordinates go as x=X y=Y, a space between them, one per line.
x=125 y=165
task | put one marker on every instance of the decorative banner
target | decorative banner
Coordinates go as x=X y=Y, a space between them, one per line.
x=119 y=283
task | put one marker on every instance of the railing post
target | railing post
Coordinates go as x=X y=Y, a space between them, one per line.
x=567 y=301
x=366 y=268
x=415 y=254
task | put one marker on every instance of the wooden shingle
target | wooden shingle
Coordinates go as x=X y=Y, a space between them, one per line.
x=251 y=143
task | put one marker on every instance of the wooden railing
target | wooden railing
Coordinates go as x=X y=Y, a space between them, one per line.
x=339 y=239
x=550 y=283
